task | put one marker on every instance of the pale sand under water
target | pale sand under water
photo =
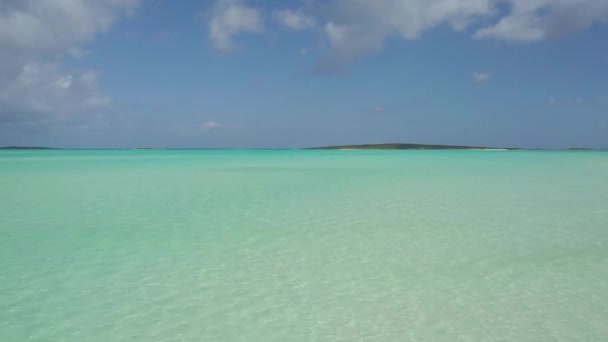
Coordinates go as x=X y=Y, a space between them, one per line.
x=303 y=246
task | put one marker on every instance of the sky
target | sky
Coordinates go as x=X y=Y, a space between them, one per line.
x=303 y=73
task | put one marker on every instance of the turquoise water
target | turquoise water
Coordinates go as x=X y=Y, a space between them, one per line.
x=303 y=246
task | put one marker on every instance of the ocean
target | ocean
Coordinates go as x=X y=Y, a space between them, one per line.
x=189 y=245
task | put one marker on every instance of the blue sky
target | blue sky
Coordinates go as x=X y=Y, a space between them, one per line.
x=288 y=74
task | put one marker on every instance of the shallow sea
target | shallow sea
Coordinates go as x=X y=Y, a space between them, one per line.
x=303 y=246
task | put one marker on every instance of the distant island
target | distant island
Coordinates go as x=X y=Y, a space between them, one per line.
x=27 y=148
x=392 y=146
x=407 y=147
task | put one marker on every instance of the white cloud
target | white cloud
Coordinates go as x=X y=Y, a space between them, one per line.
x=358 y=27
x=41 y=90
x=230 y=18
x=53 y=26
x=77 y=52
x=34 y=34
x=481 y=77
x=348 y=42
x=355 y=28
x=211 y=125
x=535 y=20
x=294 y=20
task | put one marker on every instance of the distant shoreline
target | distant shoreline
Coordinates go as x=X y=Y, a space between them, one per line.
x=28 y=148
x=399 y=146
x=362 y=147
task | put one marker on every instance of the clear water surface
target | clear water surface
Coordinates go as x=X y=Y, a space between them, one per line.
x=303 y=246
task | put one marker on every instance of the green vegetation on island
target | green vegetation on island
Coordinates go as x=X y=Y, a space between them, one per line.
x=27 y=148
x=396 y=146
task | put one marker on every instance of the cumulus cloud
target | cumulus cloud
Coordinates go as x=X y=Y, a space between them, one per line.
x=43 y=89
x=535 y=20
x=347 y=43
x=34 y=34
x=481 y=77
x=355 y=28
x=295 y=20
x=52 y=26
x=229 y=18
x=359 y=27
x=77 y=52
